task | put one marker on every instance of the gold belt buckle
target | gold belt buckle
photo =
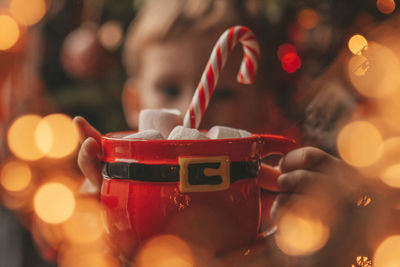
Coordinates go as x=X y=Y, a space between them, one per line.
x=204 y=174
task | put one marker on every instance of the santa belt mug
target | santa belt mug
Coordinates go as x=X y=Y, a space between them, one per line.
x=194 y=174
x=205 y=191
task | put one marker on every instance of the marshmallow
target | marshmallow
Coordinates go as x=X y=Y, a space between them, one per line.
x=183 y=133
x=147 y=134
x=223 y=132
x=162 y=120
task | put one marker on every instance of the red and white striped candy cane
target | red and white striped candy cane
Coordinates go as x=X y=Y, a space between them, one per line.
x=219 y=55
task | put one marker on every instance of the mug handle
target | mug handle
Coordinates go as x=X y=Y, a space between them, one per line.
x=272 y=144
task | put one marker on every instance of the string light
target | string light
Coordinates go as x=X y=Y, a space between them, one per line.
x=391 y=176
x=29 y=12
x=54 y=203
x=290 y=61
x=374 y=68
x=15 y=175
x=358 y=143
x=387 y=253
x=9 y=32
x=21 y=138
x=171 y=251
x=298 y=235
x=386 y=6
x=362 y=261
x=308 y=18
x=56 y=136
x=110 y=35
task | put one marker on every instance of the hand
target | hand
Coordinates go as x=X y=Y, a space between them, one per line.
x=90 y=152
x=316 y=181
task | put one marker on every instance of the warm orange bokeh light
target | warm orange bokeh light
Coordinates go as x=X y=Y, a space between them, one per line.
x=170 y=250
x=85 y=225
x=308 y=18
x=15 y=176
x=358 y=143
x=9 y=32
x=388 y=155
x=76 y=256
x=391 y=176
x=387 y=253
x=389 y=109
x=110 y=35
x=56 y=136
x=362 y=261
x=374 y=72
x=28 y=12
x=359 y=65
x=386 y=6
x=357 y=43
x=299 y=235
x=21 y=138
x=54 y=203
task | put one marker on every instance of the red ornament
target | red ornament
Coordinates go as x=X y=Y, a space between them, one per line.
x=82 y=56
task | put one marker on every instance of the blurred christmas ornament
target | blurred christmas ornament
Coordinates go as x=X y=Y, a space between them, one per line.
x=82 y=56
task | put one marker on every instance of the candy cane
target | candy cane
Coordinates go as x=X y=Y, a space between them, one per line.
x=219 y=55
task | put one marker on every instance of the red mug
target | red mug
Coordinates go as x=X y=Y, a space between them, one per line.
x=204 y=191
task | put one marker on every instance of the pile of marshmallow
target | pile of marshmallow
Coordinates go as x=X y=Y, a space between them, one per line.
x=159 y=124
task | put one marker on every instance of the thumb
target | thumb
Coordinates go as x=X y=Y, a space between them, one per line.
x=86 y=130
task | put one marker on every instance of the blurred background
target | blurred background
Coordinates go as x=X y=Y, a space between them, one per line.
x=62 y=58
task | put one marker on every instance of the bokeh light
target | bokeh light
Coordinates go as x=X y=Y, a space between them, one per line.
x=375 y=73
x=387 y=254
x=76 y=256
x=56 y=136
x=9 y=32
x=388 y=155
x=386 y=6
x=21 y=138
x=391 y=176
x=15 y=175
x=298 y=235
x=357 y=43
x=389 y=109
x=110 y=35
x=359 y=65
x=19 y=202
x=170 y=250
x=364 y=200
x=362 y=261
x=284 y=49
x=54 y=203
x=290 y=60
x=358 y=143
x=85 y=225
x=28 y=12
x=307 y=18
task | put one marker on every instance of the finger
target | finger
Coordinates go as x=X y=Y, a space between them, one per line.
x=268 y=176
x=86 y=130
x=89 y=162
x=279 y=205
x=308 y=158
x=298 y=180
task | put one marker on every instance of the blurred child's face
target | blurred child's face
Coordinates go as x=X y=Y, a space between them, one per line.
x=169 y=74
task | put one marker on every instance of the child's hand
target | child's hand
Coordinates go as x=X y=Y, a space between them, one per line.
x=90 y=151
x=316 y=181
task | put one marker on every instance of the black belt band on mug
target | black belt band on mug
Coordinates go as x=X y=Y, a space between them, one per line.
x=170 y=173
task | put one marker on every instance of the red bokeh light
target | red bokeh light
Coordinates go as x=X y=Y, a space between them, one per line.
x=289 y=58
x=285 y=49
